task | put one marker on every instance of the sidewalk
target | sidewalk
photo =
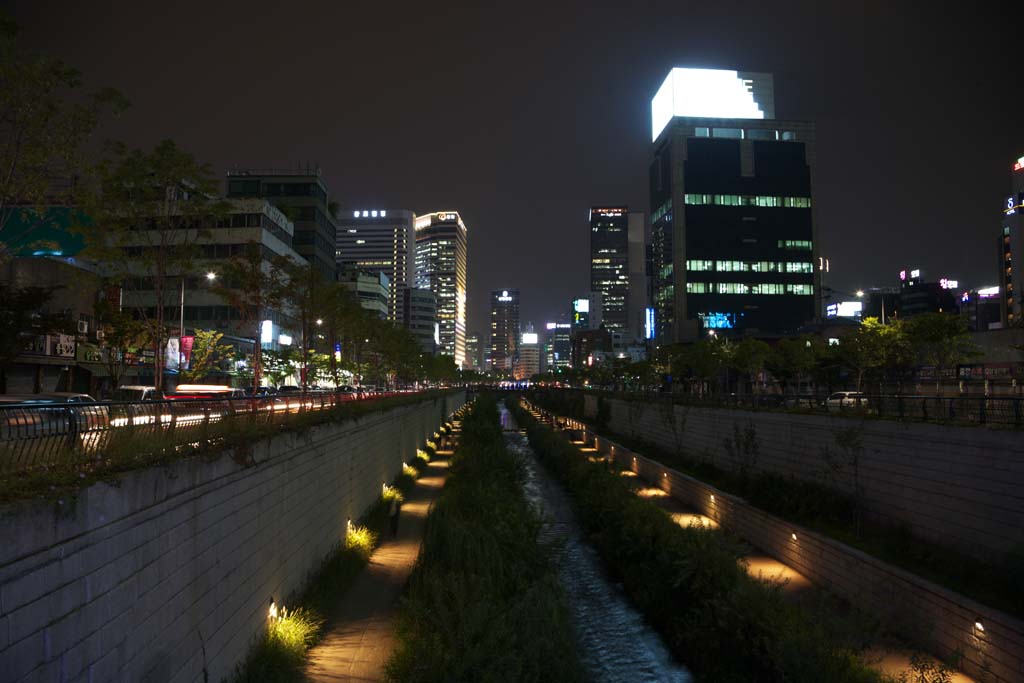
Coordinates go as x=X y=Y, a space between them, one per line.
x=361 y=634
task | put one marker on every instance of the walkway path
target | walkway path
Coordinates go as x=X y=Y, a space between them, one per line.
x=361 y=636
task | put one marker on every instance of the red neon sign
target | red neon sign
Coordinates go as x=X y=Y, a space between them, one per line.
x=1019 y=165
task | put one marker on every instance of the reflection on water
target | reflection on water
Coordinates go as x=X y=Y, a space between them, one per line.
x=616 y=645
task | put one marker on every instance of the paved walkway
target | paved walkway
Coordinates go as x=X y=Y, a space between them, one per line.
x=361 y=635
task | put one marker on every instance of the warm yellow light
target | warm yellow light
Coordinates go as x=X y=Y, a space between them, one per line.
x=712 y=498
x=211 y=276
x=793 y=536
x=980 y=627
x=272 y=612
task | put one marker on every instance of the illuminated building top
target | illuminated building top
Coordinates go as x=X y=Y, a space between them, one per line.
x=712 y=93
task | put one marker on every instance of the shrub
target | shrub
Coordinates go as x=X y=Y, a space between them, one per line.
x=360 y=540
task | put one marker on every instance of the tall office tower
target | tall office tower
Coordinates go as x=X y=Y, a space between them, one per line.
x=637 y=301
x=1012 y=240
x=379 y=241
x=586 y=312
x=609 y=263
x=441 y=249
x=558 y=345
x=732 y=228
x=504 y=329
x=302 y=195
x=529 y=360
x=419 y=315
x=474 y=352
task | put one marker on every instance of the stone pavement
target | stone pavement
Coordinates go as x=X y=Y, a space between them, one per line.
x=360 y=636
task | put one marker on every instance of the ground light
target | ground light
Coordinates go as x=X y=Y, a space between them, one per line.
x=979 y=627
x=793 y=536
x=712 y=498
x=272 y=612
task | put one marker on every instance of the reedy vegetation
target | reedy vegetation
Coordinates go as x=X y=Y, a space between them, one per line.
x=725 y=625
x=484 y=602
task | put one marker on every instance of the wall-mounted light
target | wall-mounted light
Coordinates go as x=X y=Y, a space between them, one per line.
x=712 y=498
x=978 y=626
x=793 y=536
x=272 y=612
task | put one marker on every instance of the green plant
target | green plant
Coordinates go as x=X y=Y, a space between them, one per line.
x=925 y=670
x=410 y=471
x=360 y=540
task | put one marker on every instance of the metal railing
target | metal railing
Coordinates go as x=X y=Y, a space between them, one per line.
x=41 y=435
x=997 y=411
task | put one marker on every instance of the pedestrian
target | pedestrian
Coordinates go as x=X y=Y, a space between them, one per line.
x=393 y=515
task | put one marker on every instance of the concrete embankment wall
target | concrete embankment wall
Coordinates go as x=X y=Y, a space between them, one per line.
x=941 y=621
x=961 y=487
x=166 y=575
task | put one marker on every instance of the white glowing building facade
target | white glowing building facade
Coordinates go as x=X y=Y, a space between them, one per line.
x=441 y=252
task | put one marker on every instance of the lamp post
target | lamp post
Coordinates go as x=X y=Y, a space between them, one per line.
x=210 y=277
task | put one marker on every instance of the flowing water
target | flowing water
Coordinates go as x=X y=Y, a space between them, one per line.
x=616 y=644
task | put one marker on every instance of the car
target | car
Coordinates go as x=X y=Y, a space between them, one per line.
x=846 y=400
x=288 y=389
x=194 y=391
x=262 y=392
x=133 y=393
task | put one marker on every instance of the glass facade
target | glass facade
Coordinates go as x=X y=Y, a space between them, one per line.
x=609 y=263
x=441 y=252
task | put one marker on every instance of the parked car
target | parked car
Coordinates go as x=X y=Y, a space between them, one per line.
x=846 y=400
x=288 y=390
x=262 y=392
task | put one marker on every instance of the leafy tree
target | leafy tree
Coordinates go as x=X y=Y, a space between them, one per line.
x=789 y=360
x=254 y=287
x=207 y=355
x=148 y=211
x=42 y=130
x=279 y=365
x=940 y=340
x=303 y=294
x=748 y=358
x=123 y=336
x=23 y=316
x=864 y=350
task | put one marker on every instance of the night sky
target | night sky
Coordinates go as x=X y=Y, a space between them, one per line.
x=521 y=117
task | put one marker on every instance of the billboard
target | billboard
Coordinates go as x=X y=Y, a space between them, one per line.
x=711 y=93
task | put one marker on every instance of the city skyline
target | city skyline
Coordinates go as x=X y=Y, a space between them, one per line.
x=868 y=229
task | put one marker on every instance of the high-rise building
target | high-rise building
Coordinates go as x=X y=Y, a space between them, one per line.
x=302 y=195
x=529 y=361
x=372 y=289
x=379 y=241
x=637 y=300
x=1011 y=240
x=419 y=315
x=917 y=296
x=441 y=252
x=558 y=345
x=586 y=312
x=609 y=263
x=732 y=229
x=504 y=329
x=474 y=352
x=981 y=308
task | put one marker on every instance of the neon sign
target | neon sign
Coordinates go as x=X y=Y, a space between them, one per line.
x=1019 y=166
x=718 y=321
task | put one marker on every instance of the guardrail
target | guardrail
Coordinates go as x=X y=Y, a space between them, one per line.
x=1004 y=411
x=35 y=436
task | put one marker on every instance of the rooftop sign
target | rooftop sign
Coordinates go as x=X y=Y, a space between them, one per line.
x=712 y=93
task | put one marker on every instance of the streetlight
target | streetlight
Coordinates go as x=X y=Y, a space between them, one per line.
x=860 y=293
x=211 y=276
x=319 y=321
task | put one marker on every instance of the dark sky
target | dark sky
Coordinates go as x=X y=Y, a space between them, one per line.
x=522 y=116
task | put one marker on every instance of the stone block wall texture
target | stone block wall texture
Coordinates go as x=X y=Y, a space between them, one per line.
x=941 y=621
x=961 y=487
x=166 y=575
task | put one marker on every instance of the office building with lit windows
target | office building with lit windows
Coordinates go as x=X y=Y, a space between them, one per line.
x=475 y=352
x=379 y=241
x=441 y=253
x=505 y=329
x=1011 y=239
x=609 y=263
x=302 y=194
x=558 y=345
x=419 y=316
x=733 y=238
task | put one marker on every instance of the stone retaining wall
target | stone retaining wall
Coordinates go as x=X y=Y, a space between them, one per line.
x=961 y=487
x=166 y=575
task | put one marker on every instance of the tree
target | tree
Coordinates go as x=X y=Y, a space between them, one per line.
x=42 y=131
x=864 y=350
x=123 y=335
x=748 y=358
x=24 y=316
x=303 y=293
x=147 y=212
x=254 y=287
x=207 y=355
x=791 y=359
x=940 y=340
x=279 y=365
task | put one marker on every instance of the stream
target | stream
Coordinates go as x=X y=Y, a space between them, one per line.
x=616 y=644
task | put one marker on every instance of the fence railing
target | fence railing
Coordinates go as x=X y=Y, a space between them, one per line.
x=38 y=435
x=1005 y=411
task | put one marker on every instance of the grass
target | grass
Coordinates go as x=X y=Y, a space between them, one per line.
x=725 y=625
x=279 y=655
x=836 y=514
x=127 y=449
x=484 y=602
